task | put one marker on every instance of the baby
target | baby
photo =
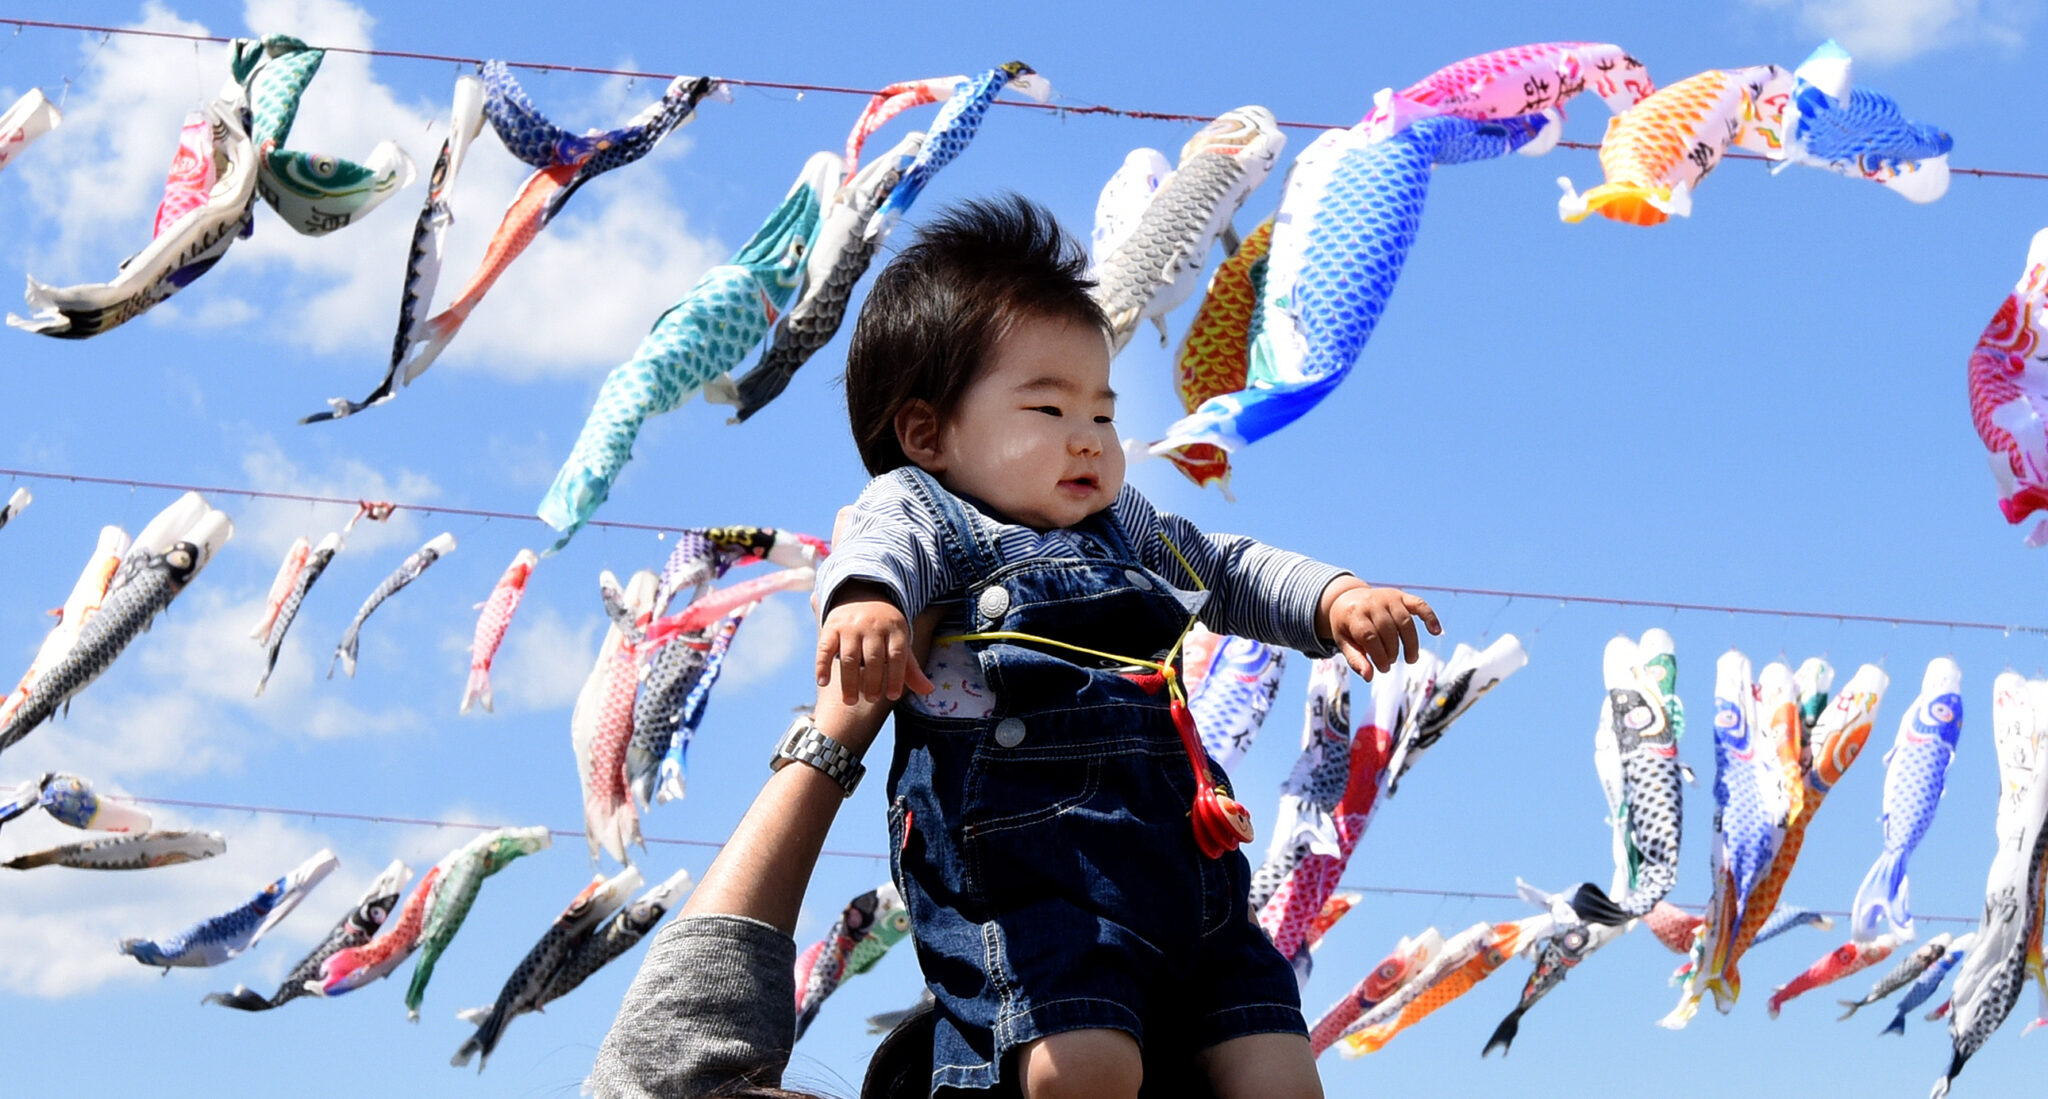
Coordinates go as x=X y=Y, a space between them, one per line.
x=1044 y=805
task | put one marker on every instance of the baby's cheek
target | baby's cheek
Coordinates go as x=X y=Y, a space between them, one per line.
x=1021 y=450
x=1113 y=465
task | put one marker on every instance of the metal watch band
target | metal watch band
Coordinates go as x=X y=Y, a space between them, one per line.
x=803 y=743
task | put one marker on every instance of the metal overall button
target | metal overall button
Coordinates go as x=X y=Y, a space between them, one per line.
x=994 y=603
x=1137 y=580
x=1010 y=732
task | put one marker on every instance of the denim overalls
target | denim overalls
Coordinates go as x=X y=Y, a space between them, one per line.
x=1045 y=851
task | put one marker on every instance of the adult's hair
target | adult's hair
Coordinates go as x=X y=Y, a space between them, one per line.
x=939 y=307
x=902 y=1065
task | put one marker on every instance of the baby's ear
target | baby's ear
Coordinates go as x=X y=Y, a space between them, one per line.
x=917 y=433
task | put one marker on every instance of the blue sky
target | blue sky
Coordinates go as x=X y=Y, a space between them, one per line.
x=1762 y=405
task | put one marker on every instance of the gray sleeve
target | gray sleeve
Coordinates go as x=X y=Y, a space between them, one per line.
x=1256 y=591
x=714 y=1004
x=890 y=540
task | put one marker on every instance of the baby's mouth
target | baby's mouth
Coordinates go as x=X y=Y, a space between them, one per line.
x=1081 y=486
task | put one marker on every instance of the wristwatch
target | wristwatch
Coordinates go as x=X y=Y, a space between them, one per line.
x=803 y=743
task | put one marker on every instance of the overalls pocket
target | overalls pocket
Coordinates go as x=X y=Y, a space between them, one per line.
x=1011 y=836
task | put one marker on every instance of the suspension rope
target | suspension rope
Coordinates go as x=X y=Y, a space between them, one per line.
x=1766 y=612
x=665 y=528
x=311 y=498
x=1066 y=107
x=877 y=856
x=422 y=822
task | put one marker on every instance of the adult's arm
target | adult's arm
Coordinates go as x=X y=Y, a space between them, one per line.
x=715 y=999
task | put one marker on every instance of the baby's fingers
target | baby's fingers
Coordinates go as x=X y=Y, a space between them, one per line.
x=1386 y=637
x=1421 y=609
x=849 y=671
x=828 y=650
x=1365 y=637
x=914 y=677
x=874 y=652
x=1410 y=645
x=897 y=647
x=1357 y=659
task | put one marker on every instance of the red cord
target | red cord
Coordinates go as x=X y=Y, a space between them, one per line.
x=1221 y=822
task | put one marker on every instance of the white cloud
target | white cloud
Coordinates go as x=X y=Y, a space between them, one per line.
x=267 y=527
x=766 y=641
x=208 y=313
x=546 y=657
x=544 y=660
x=126 y=733
x=579 y=300
x=62 y=925
x=1895 y=30
x=528 y=462
x=102 y=178
x=588 y=289
x=180 y=700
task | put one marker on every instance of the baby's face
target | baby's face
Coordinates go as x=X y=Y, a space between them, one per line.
x=1035 y=435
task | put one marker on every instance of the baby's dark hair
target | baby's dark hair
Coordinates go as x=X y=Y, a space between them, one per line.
x=939 y=307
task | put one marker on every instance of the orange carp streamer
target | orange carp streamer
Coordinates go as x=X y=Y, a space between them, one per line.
x=1214 y=356
x=1658 y=151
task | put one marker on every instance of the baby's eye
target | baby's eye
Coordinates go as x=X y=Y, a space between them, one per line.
x=1105 y=419
x=1050 y=410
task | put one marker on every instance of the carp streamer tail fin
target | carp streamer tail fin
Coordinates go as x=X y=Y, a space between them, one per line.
x=483 y=1041
x=1504 y=1034
x=1593 y=906
x=1629 y=203
x=478 y=690
x=1882 y=896
x=241 y=999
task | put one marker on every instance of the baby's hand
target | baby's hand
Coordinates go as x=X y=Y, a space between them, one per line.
x=1372 y=626
x=868 y=637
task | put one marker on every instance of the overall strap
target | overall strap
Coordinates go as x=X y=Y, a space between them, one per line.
x=968 y=546
x=1104 y=525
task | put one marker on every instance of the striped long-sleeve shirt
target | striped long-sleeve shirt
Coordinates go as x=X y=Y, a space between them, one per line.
x=1257 y=591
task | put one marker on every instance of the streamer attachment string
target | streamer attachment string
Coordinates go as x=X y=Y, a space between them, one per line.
x=1061 y=109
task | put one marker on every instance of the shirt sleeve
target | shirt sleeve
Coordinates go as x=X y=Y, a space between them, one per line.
x=714 y=1005
x=1255 y=590
x=891 y=540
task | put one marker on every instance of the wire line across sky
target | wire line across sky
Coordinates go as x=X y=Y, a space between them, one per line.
x=668 y=528
x=1065 y=107
x=565 y=833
